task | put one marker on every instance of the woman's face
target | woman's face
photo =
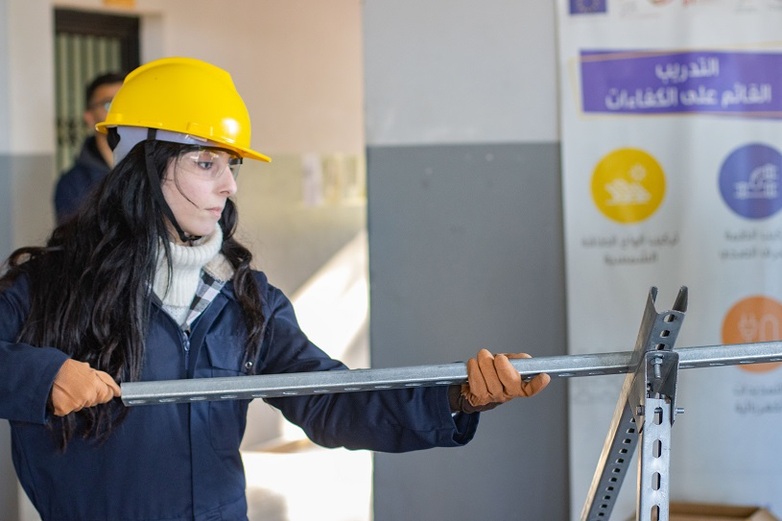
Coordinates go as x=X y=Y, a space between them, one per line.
x=196 y=186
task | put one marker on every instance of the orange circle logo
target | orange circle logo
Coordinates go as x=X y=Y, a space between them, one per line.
x=753 y=319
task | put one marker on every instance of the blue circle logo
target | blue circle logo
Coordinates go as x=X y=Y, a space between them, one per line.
x=749 y=181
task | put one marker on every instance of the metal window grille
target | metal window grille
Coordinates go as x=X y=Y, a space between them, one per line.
x=86 y=44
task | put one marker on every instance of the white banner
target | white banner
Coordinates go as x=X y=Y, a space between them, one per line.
x=672 y=154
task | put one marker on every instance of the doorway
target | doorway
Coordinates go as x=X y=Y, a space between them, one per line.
x=86 y=44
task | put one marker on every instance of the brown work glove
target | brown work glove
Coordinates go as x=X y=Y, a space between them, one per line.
x=77 y=385
x=492 y=380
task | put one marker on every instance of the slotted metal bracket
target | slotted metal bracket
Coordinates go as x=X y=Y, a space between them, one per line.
x=651 y=386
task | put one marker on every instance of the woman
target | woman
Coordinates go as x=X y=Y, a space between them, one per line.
x=147 y=282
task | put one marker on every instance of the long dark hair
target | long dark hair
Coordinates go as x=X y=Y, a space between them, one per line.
x=91 y=284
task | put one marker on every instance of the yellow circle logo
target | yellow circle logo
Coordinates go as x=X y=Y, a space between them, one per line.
x=753 y=319
x=628 y=185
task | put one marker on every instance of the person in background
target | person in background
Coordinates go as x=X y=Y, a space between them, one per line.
x=148 y=282
x=95 y=157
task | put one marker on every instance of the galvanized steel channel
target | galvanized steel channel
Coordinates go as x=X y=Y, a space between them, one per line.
x=326 y=382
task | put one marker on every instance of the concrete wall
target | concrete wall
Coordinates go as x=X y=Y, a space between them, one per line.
x=26 y=118
x=465 y=239
x=26 y=156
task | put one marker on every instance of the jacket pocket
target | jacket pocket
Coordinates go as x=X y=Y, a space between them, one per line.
x=225 y=354
x=227 y=418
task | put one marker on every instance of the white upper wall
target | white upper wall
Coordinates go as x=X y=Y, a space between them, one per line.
x=5 y=102
x=27 y=78
x=298 y=65
x=277 y=50
x=460 y=71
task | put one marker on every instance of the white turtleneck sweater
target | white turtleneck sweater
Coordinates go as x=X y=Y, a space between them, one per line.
x=187 y=262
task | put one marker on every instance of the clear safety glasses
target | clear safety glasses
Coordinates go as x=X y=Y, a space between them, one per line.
x=208 y=163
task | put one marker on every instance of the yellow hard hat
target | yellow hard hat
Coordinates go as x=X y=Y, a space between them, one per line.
x=188 y=100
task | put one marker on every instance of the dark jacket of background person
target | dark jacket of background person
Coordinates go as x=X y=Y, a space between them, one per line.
x=94 y=160
x=73 y=186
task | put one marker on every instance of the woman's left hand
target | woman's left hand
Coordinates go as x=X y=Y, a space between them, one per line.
x=492 y=380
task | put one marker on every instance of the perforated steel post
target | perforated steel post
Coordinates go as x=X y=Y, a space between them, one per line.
x=656 y=337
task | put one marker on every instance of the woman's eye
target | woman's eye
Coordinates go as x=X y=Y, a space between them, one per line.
x=206 y=162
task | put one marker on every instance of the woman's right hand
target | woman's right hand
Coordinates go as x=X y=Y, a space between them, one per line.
x=77 y=385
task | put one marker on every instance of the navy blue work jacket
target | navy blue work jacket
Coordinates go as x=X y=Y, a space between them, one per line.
x=75 y=184
x=181 y=462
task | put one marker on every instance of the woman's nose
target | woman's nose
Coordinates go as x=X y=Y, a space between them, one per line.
x=228 y=182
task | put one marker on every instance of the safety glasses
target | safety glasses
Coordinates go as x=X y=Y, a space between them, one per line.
x=101 y=104
x=207 y=162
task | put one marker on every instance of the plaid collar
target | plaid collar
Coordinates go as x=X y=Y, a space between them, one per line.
x=208 y=288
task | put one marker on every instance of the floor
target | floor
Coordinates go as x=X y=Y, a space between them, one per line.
x=292 y=479
x=302 y=482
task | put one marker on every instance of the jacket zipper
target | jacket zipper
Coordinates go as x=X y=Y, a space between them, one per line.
x=186 y=347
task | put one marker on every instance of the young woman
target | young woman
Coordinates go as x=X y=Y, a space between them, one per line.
x=147 y=282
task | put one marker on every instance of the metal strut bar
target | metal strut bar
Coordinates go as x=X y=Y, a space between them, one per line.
x=329 y=382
